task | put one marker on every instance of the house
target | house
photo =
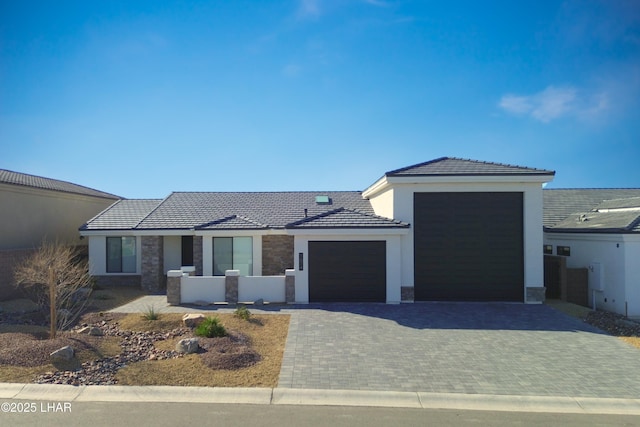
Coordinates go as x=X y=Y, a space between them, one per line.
x=598 y=229
x=33 y=208
x=446 y=229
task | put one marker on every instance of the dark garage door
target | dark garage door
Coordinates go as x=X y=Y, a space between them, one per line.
x=347 y=271
x=468 y=247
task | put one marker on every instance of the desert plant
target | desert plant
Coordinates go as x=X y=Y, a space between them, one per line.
x=150 y=313
x=242 y=312
x=59 y=268
x=210 y=327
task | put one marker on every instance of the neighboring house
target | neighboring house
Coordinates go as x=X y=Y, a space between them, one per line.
x=447 y=229
x=34 y=208
x=598 y=229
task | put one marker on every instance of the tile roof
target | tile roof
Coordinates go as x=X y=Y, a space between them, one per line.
x=25 y=180
x=607 y=222
x=451 y=166
x=122 y=215
x=346 y=218
x=233 y=222
x=234 y=211
x=560 y=203
x=626 y=203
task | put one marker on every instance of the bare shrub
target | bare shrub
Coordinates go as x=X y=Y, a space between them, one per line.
x=71 y=280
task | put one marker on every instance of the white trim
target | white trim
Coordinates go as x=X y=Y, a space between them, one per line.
x=389 y=181
x=333 y=232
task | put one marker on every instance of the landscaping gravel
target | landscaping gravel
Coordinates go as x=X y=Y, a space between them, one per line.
x=136 y=346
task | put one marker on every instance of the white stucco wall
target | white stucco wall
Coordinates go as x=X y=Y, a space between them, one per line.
x=392 y=238
x=619 y=257
x=29 y=215
x=98 y=256
x=632 y=274
x=401 y=205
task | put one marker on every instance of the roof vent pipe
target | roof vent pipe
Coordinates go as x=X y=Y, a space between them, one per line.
x=305 y=212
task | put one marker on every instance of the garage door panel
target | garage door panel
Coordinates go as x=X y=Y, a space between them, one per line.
x=468 y=246
x=347 y=271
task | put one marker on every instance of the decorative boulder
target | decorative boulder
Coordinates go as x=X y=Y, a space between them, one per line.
x=95 y=331
x=63 y=354
x=188 y=345
x=258 y=302
x=91 y=330
x=191 y=320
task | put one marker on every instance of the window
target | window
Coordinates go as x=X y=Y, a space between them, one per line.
x=548 y=249
x=563 y=250
x=121 y=254
x=187 y=251
x=233 y=253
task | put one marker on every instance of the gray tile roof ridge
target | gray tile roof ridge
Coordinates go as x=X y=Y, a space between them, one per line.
x=84 y=226
x=19 y=178
x=151 y=211
x=228 y=218
x=113 y=205
x=320 y=192
x=395 y=221
x=343 y=209
x=440 y=159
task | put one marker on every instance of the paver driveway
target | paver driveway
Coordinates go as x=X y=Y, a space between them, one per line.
x=488 y=348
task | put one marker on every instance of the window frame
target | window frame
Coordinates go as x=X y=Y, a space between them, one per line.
x=563 y=250
x=118 y=264
x=232 y=254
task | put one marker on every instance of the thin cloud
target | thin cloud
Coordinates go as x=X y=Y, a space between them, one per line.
x=291 y=70
x=554 y=103
x=309 y=9
x=378 y=3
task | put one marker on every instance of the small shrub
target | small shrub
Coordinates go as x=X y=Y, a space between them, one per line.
x=151 y=313
x=242 y=312
x=210 y=328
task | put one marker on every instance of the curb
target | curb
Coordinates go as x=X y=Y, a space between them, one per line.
x=289 y=396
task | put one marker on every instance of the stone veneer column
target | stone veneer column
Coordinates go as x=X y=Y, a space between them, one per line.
x=290 y=286
x=535 y=295
x=197 y=254
x=152 y=263
x=174 y=279
x=231 y=286
x=407 y=294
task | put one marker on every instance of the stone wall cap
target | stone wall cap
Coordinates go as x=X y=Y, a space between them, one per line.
x=174 y=273
x=290 y=272
x=232 y=273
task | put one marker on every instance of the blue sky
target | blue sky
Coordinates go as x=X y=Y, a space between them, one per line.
x=141 y=98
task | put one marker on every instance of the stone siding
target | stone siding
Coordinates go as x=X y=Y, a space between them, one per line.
x=535 y=294
x=153 y=279
x=174 y=288
x=277 y=254
x=231 y=289
x=406 y=293
x=290 y=286
x=197 y=254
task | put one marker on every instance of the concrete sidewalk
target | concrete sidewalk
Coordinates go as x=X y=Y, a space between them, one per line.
x=283 y=396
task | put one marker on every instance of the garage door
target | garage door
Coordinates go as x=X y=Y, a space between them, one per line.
x=347 y=271
x=468 y=247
